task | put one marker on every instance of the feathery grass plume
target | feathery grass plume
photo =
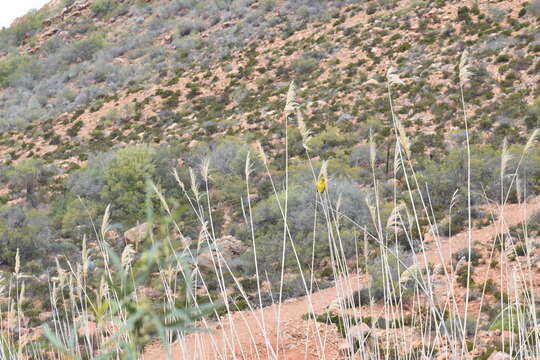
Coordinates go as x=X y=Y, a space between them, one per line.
x=505 y=157
x=177 y=178
x=304 y=131
x=161 y=198
x=103 y=288
x=395 y=216
x=84 y=257
x=62 y=274
x=205 y=169
x=203 y=234
x=397 y=159
x=262 y=153
x=248 y=168
x=291 y=104
x=464 y=67
x=17 y=263
x=372 y=149
x=105 y=222
x=127 y=256
x=531 y=140
x=403 y=138
x=372 y=209
x=519 y=189
x=392 y=77
x=194 y=186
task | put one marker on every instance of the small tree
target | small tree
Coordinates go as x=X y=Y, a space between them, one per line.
x=125 y=182
x=27 y=175
x=25 y=229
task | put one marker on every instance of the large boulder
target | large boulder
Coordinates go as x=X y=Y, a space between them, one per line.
x=227 y=247
x=359 y=332
x=138 y=233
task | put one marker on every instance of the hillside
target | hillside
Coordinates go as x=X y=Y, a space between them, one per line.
x=188 y=136
x=100 y=72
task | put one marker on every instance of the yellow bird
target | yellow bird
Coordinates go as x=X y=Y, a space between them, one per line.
x=321 y=184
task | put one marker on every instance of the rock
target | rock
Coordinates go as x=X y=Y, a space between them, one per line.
x=359 y=332
x=50 y=32
x=334 y=306
x=112 y=234
x=438 y=269
x=227 y=246
x=138 y=233
x=371 y=82
x=499 y=355
x=345 y=117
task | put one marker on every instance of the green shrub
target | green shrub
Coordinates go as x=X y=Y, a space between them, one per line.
x=305 y=66
x=27 y=175
x=103 y=8
x=126 y=182
x=30 y=24
x=84 y=49
x=462 y=276
x=9 y=67
x=26 y=229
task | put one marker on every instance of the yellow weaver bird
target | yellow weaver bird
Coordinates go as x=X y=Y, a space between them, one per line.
x=321 y=184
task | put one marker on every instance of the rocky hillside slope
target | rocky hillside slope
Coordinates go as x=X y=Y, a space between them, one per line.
x=153 y=71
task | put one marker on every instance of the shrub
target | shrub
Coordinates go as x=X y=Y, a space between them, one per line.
x=78 y=218
x=382 y=273
x=9 y=66
x=31 y=23
x=74 y=130
x=305 y=66
x=84 y=49
x=126 y=182
x=27 y=175
x=463 y=14
x=462 y=276
x=103 y=8
x=533 y=118
x=25 y=229
x=521 y=250
x=464 y=253
x=189 y=26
